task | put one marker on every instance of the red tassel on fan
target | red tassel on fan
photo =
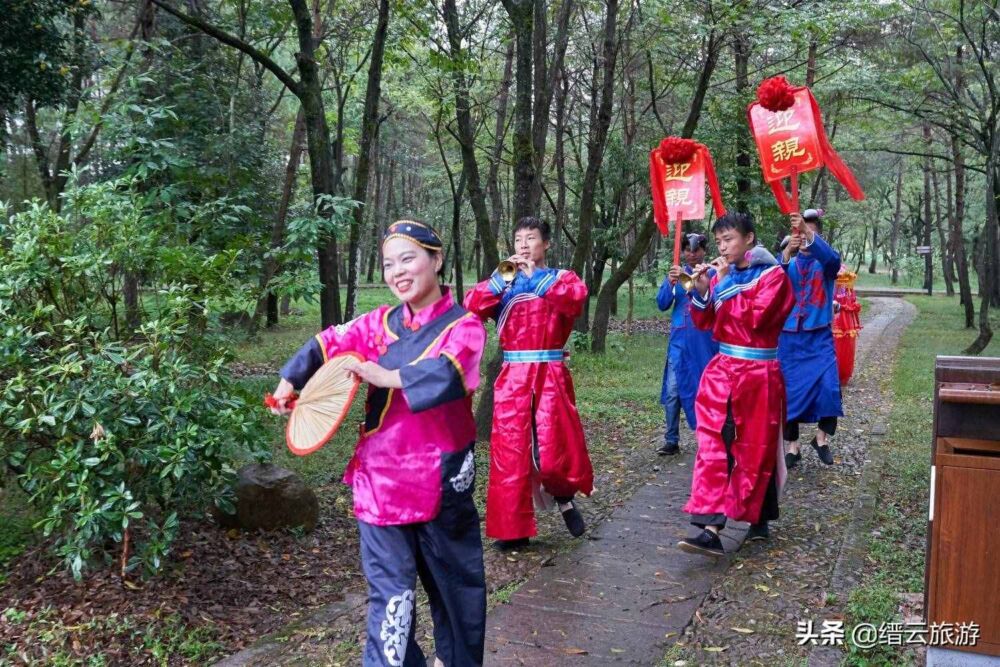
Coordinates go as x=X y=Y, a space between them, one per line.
x=271 y=402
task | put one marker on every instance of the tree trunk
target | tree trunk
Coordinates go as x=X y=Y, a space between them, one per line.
x=958 y=236
x=988 y=277
x=872 y=268
x=861 y=254
x=456 y=235
x=947 y=270
x=597 y=140
x=499 y=133
x=896 y=219
x=369 y=127
x=378 y=215
x=741 y=56
x=130 y=295
x=278 y=230
x=929 y=257
x=320 y=158
x=561 y=214
x=521 y=14
x=602 y=311
x=546 y=80
x=467 y=138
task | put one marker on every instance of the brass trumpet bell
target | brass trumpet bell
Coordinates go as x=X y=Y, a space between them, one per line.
x=507 y=270
x=686 y=281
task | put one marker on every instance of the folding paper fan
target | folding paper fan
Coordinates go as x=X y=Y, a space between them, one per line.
x=322 y=406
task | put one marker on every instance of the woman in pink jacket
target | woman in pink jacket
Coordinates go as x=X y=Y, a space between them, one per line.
x=413 y=469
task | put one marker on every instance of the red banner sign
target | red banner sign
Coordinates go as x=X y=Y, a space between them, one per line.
x=786 y=124
x=786 y=140
x=679 y=170
x=683 y=186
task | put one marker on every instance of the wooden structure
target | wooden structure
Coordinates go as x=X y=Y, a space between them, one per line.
x=962 y=578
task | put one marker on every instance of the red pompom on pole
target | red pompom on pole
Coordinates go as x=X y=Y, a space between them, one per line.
x=776 y=94
x=678 y=171
x=788 y=128
x=677 y=149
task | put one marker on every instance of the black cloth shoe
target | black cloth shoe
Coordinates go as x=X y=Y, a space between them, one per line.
x=706 y=544
x=823 y=451
x=792 y=460
x=574 y=520
x=669 y=449
x=758 y=532
x=512 y=545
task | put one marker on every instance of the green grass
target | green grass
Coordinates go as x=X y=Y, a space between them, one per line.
x=16 y=531
x=897 y=553
x=275 y=345
x=908 y=279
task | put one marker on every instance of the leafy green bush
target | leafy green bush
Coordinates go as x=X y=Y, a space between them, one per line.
x=116 y=434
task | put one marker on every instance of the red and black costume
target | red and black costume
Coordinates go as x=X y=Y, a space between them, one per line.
x=537 y=436
x=740 y=406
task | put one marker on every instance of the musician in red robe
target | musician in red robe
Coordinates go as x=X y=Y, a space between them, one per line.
x=740 y=406
x=537 y=448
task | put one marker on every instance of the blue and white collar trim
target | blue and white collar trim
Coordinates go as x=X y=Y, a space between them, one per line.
x=727 y=288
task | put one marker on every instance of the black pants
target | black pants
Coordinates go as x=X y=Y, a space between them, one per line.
x=769 y=510
x=826 y=424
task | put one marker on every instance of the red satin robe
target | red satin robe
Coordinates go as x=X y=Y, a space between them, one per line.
x=537 y=435
x=748 y=310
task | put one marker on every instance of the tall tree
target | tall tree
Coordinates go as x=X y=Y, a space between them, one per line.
x=369 y=126
x=467 y=137
x=522 y=18
x=897 y=218
x=545 y=83
x=308 y=90
x=597 y=138
x=961 y=96
x=602 y=311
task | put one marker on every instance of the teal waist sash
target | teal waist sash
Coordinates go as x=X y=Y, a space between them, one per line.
x=533 y=356
x=752 y=353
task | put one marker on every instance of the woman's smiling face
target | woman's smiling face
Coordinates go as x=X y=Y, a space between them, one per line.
x=410 y=271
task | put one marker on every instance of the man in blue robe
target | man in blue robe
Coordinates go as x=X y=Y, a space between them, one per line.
x=805 y=349
x=689 y=351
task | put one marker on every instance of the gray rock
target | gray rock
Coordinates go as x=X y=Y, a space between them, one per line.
x=269 y=497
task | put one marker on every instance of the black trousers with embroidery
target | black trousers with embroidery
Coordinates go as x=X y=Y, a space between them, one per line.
x=446 y=555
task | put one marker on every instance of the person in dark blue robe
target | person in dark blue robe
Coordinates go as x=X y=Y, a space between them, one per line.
x=805 y=349
x=689 y=351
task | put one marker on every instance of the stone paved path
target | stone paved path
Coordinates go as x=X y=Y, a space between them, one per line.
x=627 y=595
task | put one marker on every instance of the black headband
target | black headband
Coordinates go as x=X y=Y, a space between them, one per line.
x=417 y=232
